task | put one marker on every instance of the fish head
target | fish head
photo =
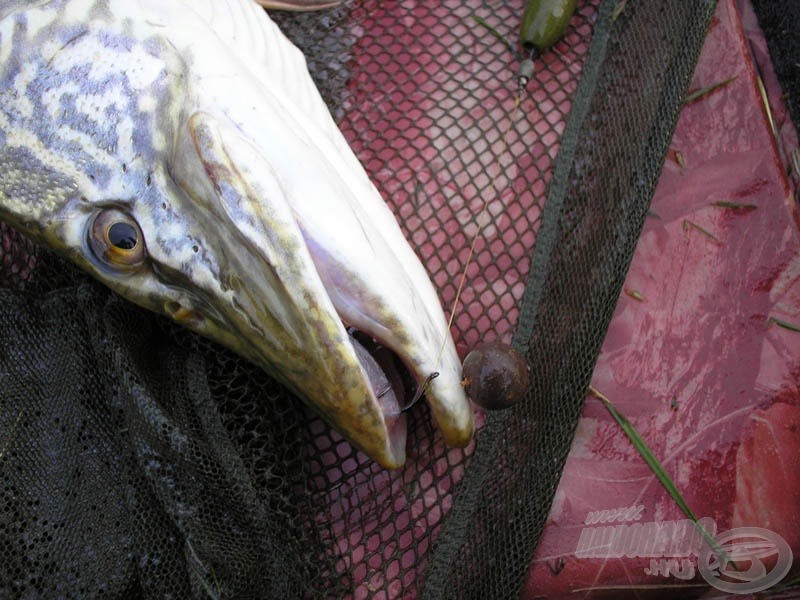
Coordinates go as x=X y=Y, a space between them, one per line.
x=191 y=182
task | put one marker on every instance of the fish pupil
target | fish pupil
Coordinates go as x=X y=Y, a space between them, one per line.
x=123 y=236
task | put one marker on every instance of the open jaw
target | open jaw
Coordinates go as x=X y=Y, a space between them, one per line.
x=388 y=379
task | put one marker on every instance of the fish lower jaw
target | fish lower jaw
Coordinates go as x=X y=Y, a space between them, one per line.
x=397 y=387
x=387 y=378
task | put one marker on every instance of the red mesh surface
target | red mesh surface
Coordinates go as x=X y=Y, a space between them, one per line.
x=431 y=110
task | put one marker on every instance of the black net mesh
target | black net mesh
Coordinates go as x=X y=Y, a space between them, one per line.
x=640 y=63
x=779 y=25
x=140 y=460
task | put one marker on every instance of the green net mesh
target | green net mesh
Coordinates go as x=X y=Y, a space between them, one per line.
x=139 y=460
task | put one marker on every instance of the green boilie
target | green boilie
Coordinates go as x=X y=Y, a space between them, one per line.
x=544 y=22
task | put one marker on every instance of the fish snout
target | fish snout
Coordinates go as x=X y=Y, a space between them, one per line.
x=326 y=295
x=270 y=303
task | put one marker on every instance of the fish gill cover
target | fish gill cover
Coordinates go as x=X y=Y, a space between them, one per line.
x=139 y=460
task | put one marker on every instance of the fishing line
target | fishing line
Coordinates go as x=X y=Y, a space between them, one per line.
x=480 y=225
x=480 y=220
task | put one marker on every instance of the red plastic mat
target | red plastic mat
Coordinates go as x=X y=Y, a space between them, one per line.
x=701 y=355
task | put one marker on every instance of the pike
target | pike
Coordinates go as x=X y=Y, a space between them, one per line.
x=179 y=151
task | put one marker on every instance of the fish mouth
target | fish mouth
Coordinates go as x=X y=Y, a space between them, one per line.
x=358 y=383
x=366 y=380
x=388 y=380
x=336 y=306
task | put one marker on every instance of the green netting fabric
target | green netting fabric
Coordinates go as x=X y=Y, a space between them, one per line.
x=640 y=63
x=123 y=471
x=138 y=460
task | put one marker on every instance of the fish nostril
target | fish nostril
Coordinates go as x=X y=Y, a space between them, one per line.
x=182 y=314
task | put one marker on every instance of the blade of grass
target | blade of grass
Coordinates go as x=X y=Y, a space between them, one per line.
x=765 y=101
x=646 y=453
x=784 y=324
x=691 y=224
x=695 y=95
x=662 y=476
x=484 y=23
x=204 y=574
x=762 y=91
x=734 y=205
x=618 y=10
x=635 y=294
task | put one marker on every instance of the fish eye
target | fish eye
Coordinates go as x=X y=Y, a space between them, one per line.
x=116 y=240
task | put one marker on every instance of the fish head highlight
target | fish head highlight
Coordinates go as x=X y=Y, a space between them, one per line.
x=180 y=153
